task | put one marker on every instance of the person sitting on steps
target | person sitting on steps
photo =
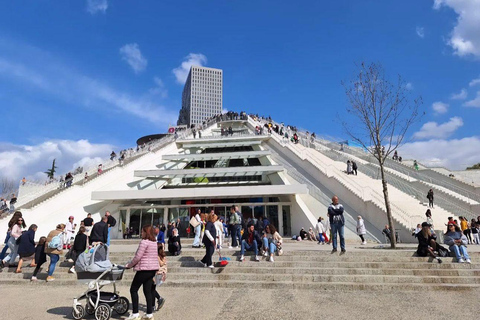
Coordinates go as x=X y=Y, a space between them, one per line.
x=250 y=241
x=427 y=242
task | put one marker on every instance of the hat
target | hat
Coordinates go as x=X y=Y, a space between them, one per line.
x=71 y=217
x=426 y=224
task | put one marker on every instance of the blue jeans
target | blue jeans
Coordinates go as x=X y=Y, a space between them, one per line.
x=249 y=247
x=338 y=227
x=4 y=251
x=108 y=237
x=271 y=247
x=320 y=238
x=53 y=262
x=459 y=251
x=13 y=246
x=198 y=230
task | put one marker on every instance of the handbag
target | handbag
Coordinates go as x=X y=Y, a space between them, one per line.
x=194 y=222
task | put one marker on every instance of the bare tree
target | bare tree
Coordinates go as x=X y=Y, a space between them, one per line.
x=379 y=116
x=7 y=187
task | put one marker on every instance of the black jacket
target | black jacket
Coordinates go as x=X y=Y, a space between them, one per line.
x=99 y=232
x=111 y=221
x=27 y=243
x=40 y=255
x=213 y=232
x=256 y=236
x=80 y=243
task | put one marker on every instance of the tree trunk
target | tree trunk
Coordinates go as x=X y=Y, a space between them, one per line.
x=393 y=240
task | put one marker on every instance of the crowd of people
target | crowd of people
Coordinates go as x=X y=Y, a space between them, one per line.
x=8 y=206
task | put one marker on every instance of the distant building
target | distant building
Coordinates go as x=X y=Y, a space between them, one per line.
x=202 y=95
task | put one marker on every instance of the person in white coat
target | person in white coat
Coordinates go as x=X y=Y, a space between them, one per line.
x=320 y=228
x=328 y=229
x=361 y=230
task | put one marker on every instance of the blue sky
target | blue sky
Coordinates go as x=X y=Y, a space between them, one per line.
x=78 y=78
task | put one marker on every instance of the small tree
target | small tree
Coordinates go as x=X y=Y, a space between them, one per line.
x=51 y=172
x=381 y=114
x=7 y=187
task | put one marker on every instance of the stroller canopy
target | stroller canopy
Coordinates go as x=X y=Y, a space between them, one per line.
x=94 y=260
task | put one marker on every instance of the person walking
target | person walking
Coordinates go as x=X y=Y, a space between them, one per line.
x=337 y=223
x=430 y=198
x=40 y=257
x=26 y=247
x=361 y=230
x=354 y=167
x=111 y=222
x=198 y=230
x=209 y=240
x=15 y=225
x=54 y=248
x=145 y=264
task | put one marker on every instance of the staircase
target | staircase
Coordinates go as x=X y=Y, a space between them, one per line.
x=304 y=265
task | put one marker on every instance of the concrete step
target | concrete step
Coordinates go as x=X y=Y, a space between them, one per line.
x=280 y=285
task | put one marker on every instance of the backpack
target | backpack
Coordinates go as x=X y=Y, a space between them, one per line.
x=442 y=251
x=56 y=242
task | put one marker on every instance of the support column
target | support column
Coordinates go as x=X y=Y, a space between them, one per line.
x=280 y=219
x=165 y=216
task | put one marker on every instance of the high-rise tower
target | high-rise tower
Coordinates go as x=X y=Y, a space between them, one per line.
x=202 y=95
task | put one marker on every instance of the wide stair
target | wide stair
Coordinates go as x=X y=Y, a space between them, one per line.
x=304 y=265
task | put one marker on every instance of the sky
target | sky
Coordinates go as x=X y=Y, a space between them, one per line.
x=79 y=79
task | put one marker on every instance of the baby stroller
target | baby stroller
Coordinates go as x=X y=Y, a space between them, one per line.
x=94 y=268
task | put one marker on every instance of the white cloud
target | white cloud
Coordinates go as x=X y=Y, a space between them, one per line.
x=455 y=154
x=193 y=59
x=39 y=70
x=440 y=107
x=409 y=86
x=94 y=6
x=462 y=95
x=159 y=88
x=474 y=82
x=420 y=32
x=465 y=36
x=31 y=161
x=440 y=131
x=133 y=56
x=474 y=103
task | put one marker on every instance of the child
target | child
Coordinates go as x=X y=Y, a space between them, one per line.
x=40 y=256
x=160 y=277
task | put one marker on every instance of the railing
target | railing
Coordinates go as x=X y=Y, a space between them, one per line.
x=316 y=193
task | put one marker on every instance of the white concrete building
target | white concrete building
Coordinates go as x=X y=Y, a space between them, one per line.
x=202 y=95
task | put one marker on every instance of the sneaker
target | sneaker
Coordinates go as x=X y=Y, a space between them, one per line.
x=134 y=317
x=364 y=242
x=50 y=278
x=237 y=247
x=33 y=278
x=468 y=261
x=242 y=258
x=333 y=250
x=439 y=260
x=460 y=260
x=160 y=303
x=271 y=259
x=72 y=270
x=343 y=251
x=70 y=260
x=211 y=266
x=257 y=258
x=265 y=253
x=230 y=247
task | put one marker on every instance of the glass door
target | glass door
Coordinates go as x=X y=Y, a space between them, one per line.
x=287 y=230
x=135 y=216
x=158 y=217
x=272 y=215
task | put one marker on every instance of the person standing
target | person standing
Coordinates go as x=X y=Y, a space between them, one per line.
x=430 y=198
x=54 y=248
x=320 y=228
x=354 y=167
x=209 y=240
x=361 y=230
x=88 y=224
x=111 y=222
x=145 y=264
x=235 y=228
x=337 y=223
x=99 y=232
x=69 y=231
x=13 y=201
x=349 y=167
x=198 y=230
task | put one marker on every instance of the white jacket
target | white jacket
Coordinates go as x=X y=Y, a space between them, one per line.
x=361 y=227
x=320 y=228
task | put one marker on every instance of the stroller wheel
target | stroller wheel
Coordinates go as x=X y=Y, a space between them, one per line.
x=78 y=312
x=103 y=312
x=89 y=308
x=121 y=307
